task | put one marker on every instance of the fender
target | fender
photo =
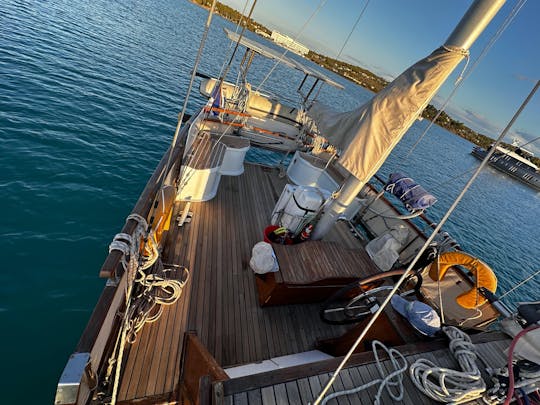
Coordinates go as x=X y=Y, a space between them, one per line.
x=483 y=275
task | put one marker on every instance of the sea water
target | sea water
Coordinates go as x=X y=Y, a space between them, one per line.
x=89 y=96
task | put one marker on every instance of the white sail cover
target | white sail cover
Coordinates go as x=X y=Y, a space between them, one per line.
x=369 y=133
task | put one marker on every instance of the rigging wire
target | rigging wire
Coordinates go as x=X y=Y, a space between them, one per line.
x=125 y=323
x=453 y=178
x=424 y=247
x=465 y=76
x=319 y=7
x=346 y=41
x=353 y=29
x=527 y=143
x=222 y=77
x=235 y=31
x=524 y=281
x=192 y=79
x=225 y=72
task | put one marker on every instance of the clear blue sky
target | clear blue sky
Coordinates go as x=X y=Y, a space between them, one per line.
x=393 y=34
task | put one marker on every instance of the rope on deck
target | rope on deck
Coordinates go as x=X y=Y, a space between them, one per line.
x=388 y=381
x=447 y=385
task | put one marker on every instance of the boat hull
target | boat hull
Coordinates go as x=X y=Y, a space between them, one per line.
x=509 y=167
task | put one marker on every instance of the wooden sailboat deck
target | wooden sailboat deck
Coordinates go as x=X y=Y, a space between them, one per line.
x=220 y=304
x=220 y=300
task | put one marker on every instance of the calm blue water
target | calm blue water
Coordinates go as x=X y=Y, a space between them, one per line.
x=89 y=93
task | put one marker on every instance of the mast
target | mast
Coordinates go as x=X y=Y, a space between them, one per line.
x=466 y=32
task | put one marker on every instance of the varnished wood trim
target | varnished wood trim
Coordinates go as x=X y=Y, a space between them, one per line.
x=161 y=399
x=199 y=370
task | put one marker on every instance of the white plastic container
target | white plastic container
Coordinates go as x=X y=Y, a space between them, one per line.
x=306 y=170
x=200 y=184
x=296 y=206
x=235 y=153
x=384 y=250
x=201 y=172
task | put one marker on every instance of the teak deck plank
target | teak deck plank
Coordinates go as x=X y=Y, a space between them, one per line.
x=247 y=228
x=267 y=395
x=216 y=346
x=255 y=397
x=155 y=362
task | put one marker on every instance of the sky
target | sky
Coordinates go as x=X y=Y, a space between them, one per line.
x=394 y=34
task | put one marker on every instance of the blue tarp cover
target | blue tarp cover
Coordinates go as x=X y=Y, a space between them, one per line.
x=413 y=196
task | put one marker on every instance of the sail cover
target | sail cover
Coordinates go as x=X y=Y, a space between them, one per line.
x=369 y=133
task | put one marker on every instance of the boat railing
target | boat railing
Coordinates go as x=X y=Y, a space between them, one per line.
x=96 y=342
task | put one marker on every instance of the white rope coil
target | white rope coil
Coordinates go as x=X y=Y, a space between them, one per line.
x=122 y=243
x=147 y=305
x=388 y=381
x=447 y=385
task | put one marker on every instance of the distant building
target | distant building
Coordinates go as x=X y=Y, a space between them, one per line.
x=289 y=43
x=262 y=33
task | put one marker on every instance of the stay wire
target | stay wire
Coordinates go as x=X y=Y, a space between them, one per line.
x=353 y=29
x=319 y=7
x=236 y=31
x=464 y=76
x=163 y=176
x=191 y=81
x=527 y=143
x=525 y=281
x=346 y=40
x=223 y=74
x=228 y=67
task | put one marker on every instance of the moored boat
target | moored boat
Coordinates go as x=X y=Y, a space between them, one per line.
x=194 y=311
x=516 y=164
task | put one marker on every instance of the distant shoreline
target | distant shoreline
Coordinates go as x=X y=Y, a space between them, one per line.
x=364 y=78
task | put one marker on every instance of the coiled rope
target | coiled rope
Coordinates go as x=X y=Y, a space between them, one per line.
x=447 y=385
x=130 y=246
x=145 y=294
x=388 y=381
x=155 y=293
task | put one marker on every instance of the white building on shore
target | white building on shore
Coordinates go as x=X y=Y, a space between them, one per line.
x=289 y=43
